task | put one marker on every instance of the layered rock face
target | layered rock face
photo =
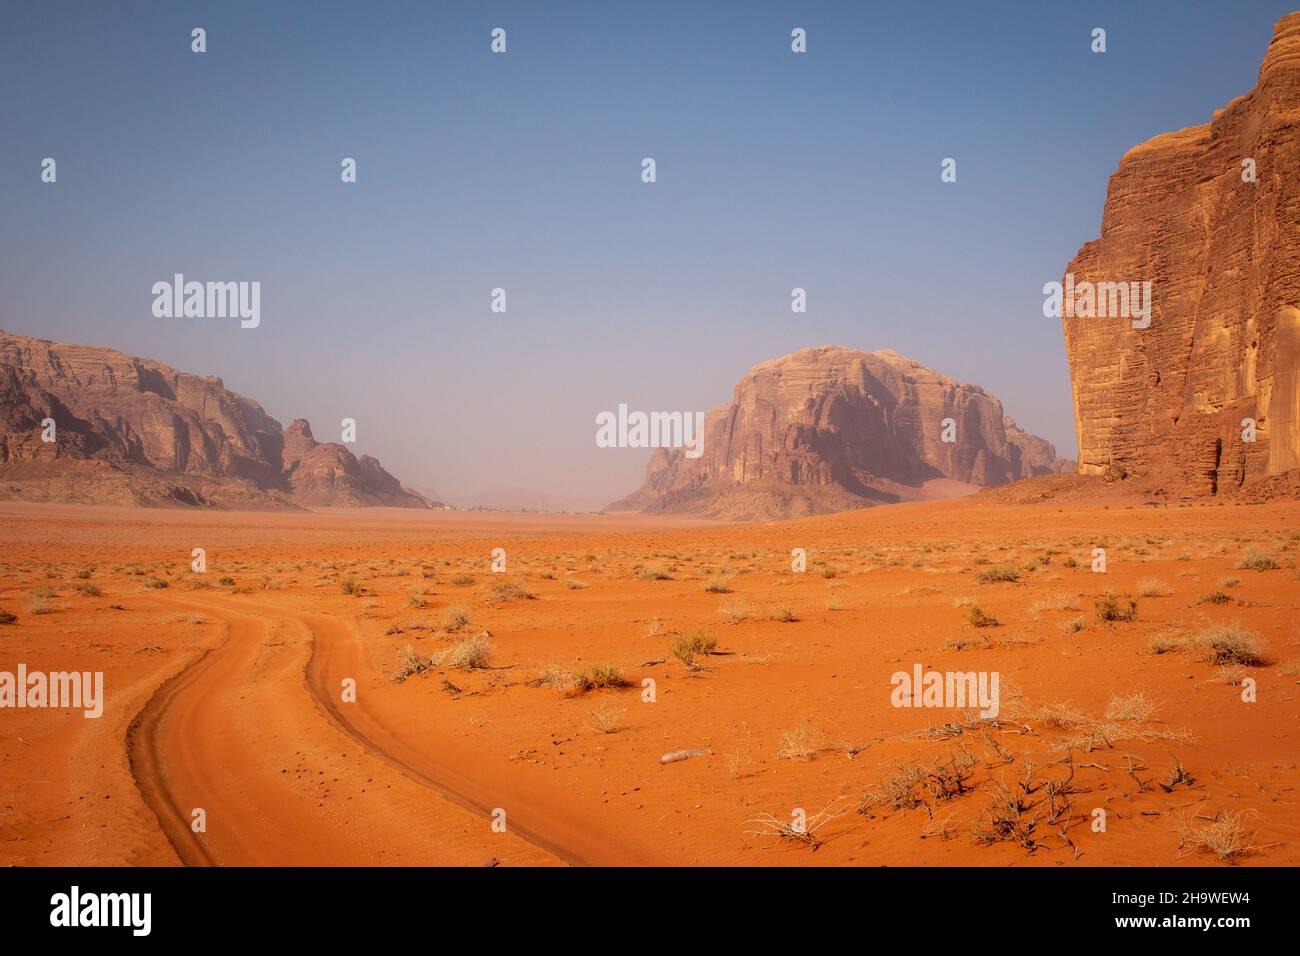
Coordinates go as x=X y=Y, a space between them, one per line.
x=831 y=428
x=132 y=430
x=1166 y=403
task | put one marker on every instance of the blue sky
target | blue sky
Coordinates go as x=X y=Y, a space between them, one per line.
x=522 y=171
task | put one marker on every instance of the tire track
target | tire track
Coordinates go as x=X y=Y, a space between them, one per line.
x=540 y=818
x=147 y=768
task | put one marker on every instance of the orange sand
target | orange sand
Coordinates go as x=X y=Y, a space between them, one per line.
x=227 y=696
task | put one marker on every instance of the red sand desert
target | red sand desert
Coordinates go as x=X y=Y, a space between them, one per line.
x=224 y=690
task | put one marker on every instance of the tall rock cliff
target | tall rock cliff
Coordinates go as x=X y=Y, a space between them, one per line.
x=831 y=428
x=135 y=431
x=1210 y=215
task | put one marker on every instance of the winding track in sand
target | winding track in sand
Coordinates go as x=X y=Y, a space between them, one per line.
x=185 y=751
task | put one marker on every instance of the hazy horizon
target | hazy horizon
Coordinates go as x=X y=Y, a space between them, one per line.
x=522 y=171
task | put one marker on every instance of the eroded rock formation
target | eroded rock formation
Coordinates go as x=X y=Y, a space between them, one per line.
x=135 y=431
x=1210 y=215
x=831 y=428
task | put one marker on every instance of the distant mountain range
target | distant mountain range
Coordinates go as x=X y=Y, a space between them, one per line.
x=134 y=431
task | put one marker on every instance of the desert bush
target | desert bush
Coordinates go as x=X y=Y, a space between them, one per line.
x=994 y=575
x=410 y=663
x=689 y=643
x=1226 y=837
x=606 y=720
x=1057 y=602
x=908 y=786
x=785 y=615
x=510 y=591
x=599 y=677
x=785 y=828
x=1134 y=707
x=455 y=616
x=463 y=580
x=1163 y=644
x=1153 y=587
x=1255 y=559
x=801 y=743
x=468 y=654
x=651 y=573
x=717 y=585
x=1114 y=607
x=737 y=611
x=90 y=590
x=1229 y=644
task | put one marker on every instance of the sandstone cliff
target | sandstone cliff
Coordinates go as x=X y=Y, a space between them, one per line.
x=1165 y=404
x=135 y=431
x=831 y=428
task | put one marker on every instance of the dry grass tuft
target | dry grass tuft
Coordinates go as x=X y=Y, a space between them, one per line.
x=1115 y=607
x=766 y=824
x=1132 y=707
x=802 y=743
x=1228 y=644
x=686 y=645
x=1226 y=837
x=607 y=719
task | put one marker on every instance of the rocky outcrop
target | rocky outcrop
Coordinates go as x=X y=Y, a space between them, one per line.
x=1208 y=215
x=831 y=428
x=135 y=431
x=328 y=474
x=1032 y=456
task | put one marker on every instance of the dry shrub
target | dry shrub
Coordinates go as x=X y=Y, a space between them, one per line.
x=1227 y=837
x=1255 y=559
x=738 y=764
x=737 y=611
x=1057 y=602
x=410 y=663
x=598 y=677
x=510 y=591
x=606 y=720
x=768 y=825
x=801 y=743
x=1132 y=707
x=468 y=654
x=912 y=786
x=1153 y=587
x=455 y=616
x=1116 y=607
x=686 y=645
x=995 y=575
x=1227 y=644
